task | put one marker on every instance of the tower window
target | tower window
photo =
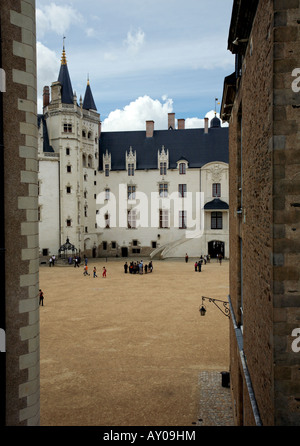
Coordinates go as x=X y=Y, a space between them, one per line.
x=67 y=128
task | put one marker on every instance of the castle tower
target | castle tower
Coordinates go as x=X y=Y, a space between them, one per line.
x=73 y=132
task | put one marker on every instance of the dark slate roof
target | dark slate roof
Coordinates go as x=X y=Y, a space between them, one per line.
x=66 y=89
x=216 y=204
x=46 y=144
x=194 y=145
x=88 y=101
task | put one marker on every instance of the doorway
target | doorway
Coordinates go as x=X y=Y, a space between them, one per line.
x=124 y=251
x=215 y=248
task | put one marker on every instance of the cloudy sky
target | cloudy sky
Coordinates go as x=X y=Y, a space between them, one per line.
x=143 y=58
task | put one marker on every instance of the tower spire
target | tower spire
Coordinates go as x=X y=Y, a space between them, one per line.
x=67 y=96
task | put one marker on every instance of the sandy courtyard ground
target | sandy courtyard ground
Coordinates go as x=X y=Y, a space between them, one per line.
x=127 y=350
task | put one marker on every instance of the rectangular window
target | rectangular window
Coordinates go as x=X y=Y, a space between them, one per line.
x=45 y=251
x=163 y=218
x=68 y=222
x=67 y=128
x=106 y=168
x=107 y=194
x=216 y=220
x=132 y=219
x=113 y=245
x=163 y=190
x=182 y=168
x=67 y=151
x=134 y=243
x=182 y=190
x=182 y=219
x=131 y=192
x=69 y=169
x=131 y=170
x=216 y=190
x=104 y=246
x=68 y=189
x=163 y=168
x=153 y=244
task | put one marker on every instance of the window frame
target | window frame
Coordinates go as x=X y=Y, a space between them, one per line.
x=216 y=220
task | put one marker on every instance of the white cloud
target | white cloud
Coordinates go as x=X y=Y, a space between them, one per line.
x=134 y=41
x=135 y=115
x=56 y=18
x=47 y=69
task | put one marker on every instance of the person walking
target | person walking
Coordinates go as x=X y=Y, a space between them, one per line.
x=41 y=299
x=50 y=261
x=125 y=268
x=186 y=258
x=196 y=265
x=85 y=272
x=104 y=272
x=199 y=266
x=95 y=272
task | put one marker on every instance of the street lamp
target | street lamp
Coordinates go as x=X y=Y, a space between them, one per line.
x=224 y=308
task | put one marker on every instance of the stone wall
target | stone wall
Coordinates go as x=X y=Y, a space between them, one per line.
x=21 y=227
x=286 y=223
x=264 y=239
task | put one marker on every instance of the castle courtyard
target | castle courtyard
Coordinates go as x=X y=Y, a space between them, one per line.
x=133 y=350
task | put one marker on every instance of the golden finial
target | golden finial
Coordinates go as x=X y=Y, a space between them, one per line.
x=63 y=57
x=88 y=80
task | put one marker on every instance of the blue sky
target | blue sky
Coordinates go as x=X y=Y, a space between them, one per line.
x=143 y=58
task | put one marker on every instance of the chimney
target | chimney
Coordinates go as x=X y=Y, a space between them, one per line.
x=205 y=125
x=149 y=129
x=46 y=96
x=181 y=124
x=171 y=121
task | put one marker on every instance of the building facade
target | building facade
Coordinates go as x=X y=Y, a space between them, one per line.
x=261 y=102
x=19 y=251
x=151 y=193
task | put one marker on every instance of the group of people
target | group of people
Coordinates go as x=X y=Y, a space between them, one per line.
x=86 y=273
x=138 y=267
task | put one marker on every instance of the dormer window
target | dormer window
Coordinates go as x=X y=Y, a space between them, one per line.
x=163 y=168
x=131 y=169
x=182 y=168
x=163 y=161
x=106 y=163
x=131 y=161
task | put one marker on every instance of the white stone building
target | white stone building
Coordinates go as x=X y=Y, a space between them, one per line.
x=145 y=193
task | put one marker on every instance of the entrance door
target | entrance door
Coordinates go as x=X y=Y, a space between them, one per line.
x=215 y=248
x=124 y=252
